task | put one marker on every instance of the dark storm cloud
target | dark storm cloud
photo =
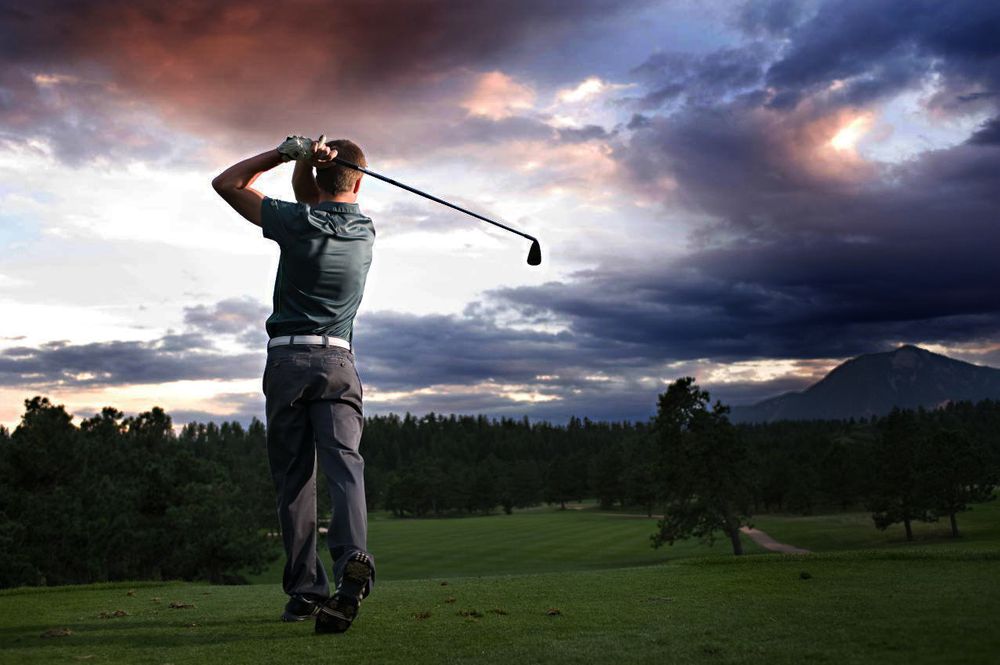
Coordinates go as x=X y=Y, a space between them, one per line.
x=597 y=405
x=236 y=71
x=988 y=133
x=582 y=134
x=989 y=356
x=782 y=301
x=193 y=354
x=610 y=363
x=699 y=78
x=458 y=350
x=799 y=262
x=230 y=316
x=803 y=259
x=240 y=317
x=881 y=47
x=462 y=350
x=809 y=254
x=172 y=358
x=396 y=352
x=727 y=161
x=770 y=17
x=755 y=172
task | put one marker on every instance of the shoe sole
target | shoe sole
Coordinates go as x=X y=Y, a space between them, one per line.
x=357 y=573
x=337 y=614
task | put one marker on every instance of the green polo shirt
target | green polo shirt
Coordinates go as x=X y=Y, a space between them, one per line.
x=326 y=251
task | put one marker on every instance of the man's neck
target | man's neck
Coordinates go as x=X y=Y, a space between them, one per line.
x=338 y=198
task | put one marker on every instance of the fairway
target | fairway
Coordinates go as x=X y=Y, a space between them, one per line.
x=574 y=586
x=916 y=606
x=547 y=539
x=539 y=540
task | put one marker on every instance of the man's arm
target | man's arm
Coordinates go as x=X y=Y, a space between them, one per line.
x=303 y=179
x=304 y=183
x=233 y=184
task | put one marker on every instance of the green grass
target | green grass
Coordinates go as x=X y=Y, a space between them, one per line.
x=979 y=528
x=448 y=593
x=913 y=606
x=540 y=540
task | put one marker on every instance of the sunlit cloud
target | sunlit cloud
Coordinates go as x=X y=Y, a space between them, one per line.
x=220 y=398
x=761 y=201
x=501 y=391
x=847 y=137
x=497 y=96
x=762 y=371
x=588 y=89
x=45 y=80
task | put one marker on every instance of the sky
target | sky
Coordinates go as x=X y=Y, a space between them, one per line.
x=748 y=193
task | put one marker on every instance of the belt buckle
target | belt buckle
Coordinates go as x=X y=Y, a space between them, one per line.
x=326 y=341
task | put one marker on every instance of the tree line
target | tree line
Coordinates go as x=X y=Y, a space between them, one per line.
x=910 y=465
x=124 y=498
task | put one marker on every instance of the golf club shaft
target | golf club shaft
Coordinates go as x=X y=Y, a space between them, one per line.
x=344 y=162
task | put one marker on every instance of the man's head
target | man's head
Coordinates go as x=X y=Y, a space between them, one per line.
x=338 y=179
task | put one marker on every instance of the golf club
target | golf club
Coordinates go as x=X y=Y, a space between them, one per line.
x=534 y=254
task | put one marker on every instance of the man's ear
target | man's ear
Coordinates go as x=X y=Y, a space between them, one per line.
x=357 y=184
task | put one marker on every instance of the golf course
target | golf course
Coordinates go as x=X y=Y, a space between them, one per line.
x=552 y=586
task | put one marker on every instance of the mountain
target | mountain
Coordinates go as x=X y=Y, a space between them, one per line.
x=872 y=384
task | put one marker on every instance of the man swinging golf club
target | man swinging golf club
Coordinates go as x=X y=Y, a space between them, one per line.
x=312 y=388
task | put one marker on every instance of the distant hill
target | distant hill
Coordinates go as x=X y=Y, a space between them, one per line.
x=872 y=384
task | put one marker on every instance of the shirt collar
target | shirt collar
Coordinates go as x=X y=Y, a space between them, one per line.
x=341 y=206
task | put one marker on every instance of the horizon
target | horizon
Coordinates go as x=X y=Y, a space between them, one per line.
x=747 y=193
x=178 y=426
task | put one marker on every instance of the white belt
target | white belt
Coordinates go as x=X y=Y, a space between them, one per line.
x=321 y=340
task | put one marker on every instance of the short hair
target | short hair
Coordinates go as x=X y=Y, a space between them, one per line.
x=336 y=179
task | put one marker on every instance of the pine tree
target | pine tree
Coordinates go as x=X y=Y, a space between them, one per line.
x=704 y=486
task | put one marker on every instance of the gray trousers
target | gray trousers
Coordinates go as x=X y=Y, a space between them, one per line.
x=314 y=411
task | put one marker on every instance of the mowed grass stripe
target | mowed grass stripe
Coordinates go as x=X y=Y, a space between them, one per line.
x=551 y=540
x=537 y=541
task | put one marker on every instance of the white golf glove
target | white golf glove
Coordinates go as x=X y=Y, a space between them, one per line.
x=296 y=148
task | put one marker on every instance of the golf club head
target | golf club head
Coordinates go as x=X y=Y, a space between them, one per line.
x=534 y=254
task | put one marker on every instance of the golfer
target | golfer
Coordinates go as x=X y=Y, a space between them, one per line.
x=312 y=388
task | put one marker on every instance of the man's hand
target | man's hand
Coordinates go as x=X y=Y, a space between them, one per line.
x=296 y=148
x=303 y=180
x=322 y=154
x=303 y=149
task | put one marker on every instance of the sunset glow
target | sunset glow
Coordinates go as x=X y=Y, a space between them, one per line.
x=848 y=136
x=743 y=192
x=497 y=96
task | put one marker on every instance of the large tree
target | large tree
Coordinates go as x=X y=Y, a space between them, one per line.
x=705 y=484
x=898 y=465
x=957 y=473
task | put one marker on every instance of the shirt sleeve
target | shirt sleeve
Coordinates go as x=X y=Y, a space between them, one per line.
x=278 y=219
